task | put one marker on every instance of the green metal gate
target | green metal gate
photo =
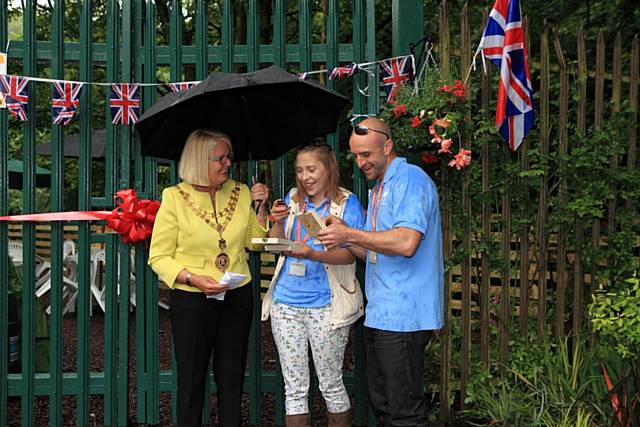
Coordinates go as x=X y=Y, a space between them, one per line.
x=144 y=41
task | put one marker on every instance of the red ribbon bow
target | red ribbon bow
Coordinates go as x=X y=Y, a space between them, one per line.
x=132 y=218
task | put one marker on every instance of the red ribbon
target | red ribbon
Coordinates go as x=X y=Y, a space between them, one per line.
x=132 y=218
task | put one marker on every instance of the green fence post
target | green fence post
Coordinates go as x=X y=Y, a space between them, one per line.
x=407 y=24
x=4 y=264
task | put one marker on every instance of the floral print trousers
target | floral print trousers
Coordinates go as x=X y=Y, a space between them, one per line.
x=293 y=328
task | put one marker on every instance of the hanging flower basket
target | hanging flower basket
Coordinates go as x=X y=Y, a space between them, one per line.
x=426 y=120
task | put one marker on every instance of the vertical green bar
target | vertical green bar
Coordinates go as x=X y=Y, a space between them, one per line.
x=227 y=36
x=332 y=60
x=255 y=355
x=175 y=62
x=127 y=64
x=110 y=334
x=279 y=44
x=147 y=285
x=304 y=42
x=84 y=231
x=112 y=375
x=4 y=264
x=28 y=206
x=407 y=23
x=57 y=187
x=202 y=61
x=361 y=54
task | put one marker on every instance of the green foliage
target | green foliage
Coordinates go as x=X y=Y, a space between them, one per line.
x=615 y=316
x=545 y=385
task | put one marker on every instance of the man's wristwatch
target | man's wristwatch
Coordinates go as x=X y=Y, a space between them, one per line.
x=187 y=280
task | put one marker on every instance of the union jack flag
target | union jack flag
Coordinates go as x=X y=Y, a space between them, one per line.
x=503 y=43
x=125 y=103
x=16 y=93
x=342 y=72
x=395 y=72
x=65 y=97
x=179 y=87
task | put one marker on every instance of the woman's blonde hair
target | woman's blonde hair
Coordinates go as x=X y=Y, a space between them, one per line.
x=194 y=161
x=324 y=153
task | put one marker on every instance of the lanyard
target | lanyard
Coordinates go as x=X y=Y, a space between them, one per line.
x=303 y=208
x=375 y=203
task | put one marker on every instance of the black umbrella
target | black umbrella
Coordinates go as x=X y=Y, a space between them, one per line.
x=265 y=113
x=16 y=169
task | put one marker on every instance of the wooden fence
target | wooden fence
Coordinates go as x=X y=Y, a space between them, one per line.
x=542 y=268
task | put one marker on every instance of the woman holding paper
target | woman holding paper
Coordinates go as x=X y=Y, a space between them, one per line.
x=202 y=230
x=314 y=296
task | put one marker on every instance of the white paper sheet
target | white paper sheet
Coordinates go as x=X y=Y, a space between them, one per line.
x=232 y=279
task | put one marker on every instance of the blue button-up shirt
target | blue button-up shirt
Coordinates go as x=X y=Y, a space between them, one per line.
x=406 y=294
x=312 y=290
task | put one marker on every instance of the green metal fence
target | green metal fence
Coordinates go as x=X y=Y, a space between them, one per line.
x=147 y=41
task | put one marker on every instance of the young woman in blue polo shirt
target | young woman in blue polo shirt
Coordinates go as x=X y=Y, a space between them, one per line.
x=314 y=296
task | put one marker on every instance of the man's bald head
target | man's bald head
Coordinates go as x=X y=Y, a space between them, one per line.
x=374 y=124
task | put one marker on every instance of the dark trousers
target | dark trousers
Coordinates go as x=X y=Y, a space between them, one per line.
x=200 y=325
x=395 y=362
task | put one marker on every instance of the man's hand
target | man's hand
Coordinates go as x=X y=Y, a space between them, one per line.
x=335 y=235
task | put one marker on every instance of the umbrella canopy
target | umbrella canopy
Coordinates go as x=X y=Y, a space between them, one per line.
x=266 y=113
x=16 y=168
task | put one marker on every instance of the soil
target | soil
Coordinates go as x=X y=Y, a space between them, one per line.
x=96 y=364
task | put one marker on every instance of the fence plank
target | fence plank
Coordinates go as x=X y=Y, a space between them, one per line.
x=581 y=114
x=561 y=254
x=465 y=352
x=542 y=192
x=633 y=102
x=485 y=94
x=616 y=87
x=445 y=354
x=523 y=318
x=597 y=121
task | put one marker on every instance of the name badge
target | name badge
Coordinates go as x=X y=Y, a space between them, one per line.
x=297 y=269
x=373 y=257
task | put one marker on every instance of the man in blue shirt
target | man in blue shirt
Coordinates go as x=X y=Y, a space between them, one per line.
x=402 y=246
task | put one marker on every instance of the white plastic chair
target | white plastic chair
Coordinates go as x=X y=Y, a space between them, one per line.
x=42 y=269
x=69 y=278
x=98 y=258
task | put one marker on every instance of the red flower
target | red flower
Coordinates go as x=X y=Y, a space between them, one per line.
x=443 y=123
x=415 y=122
x=445 y=144
x=461 y=160
x=436 y=138
x=400 y=110
x=459 y=89
x=444 y=88
x=428 y=158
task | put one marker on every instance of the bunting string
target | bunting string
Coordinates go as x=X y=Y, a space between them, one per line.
x=125 y=98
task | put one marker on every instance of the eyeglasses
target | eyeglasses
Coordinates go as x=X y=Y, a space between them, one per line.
x=222 y=158
x=363 y=130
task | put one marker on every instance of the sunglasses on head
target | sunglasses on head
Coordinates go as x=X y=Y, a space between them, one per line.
x=363 y=130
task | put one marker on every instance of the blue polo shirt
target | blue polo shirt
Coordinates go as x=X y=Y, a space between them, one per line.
x=312 y=290
x=406 y=294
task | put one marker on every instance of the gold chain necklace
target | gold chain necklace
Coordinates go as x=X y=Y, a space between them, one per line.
x=222 y=260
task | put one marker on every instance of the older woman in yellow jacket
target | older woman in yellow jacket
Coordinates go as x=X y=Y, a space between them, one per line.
x=203 y=228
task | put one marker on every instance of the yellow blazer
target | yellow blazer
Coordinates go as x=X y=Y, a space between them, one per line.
x=181 y=239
